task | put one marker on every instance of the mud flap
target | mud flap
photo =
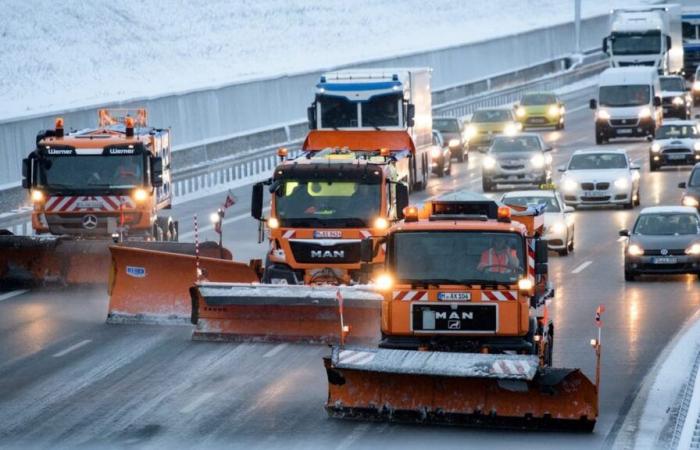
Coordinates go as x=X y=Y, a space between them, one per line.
x=274 y=313
x=503 y=391
x=152 y=286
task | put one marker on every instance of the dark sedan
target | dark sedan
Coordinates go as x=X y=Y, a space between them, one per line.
x=664 y=240
x=691 y=196
x=452 y=130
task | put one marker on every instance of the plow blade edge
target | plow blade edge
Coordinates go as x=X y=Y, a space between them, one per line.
x=151 y=286
x=503 y=391
x=279 y=313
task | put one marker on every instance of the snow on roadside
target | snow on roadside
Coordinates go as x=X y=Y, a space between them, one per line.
x=72 y=53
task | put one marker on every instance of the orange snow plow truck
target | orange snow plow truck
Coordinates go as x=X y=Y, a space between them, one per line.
x=89 y=189
x=465 y=334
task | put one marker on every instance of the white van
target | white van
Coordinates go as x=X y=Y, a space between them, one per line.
x=628 y=103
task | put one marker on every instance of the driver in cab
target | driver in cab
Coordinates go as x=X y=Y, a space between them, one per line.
x=499 y=258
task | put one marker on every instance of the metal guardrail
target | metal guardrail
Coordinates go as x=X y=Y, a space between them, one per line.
x=245 y=166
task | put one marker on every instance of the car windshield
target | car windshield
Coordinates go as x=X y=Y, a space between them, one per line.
x=338 y=112
x=666 y=224
x=446 y=125
x=516 y=144
x=492 y=115
x=672 y=84
x=538 y=99
x=381 y=111
x=676 y=132
x=76 y=173
x=456 y=257
x=636 y=43
x=630 y=95
x=305 y=203
x=552 y=205
x=597 y=161
x=694 y=180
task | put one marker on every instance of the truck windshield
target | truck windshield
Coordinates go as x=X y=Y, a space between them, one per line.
x=636 y=43
x=672 y=84
x=327 y=204
x=338 y=112
x=630 y=95
x=381 y=111
x=460 y=257
x=88 y=173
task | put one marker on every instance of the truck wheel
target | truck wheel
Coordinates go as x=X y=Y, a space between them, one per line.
x=157 y=232
x=173 y=231
x=549 y=351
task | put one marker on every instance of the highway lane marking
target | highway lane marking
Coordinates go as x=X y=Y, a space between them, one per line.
x=354 y=435
x=226 y=221
x=9 y=295
x=275 y=350
x=196 y=403
x=72 y=348
x=580 y=268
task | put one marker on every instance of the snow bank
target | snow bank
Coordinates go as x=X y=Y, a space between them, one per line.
x=58 y=55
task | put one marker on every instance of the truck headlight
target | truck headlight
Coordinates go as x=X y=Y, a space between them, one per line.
x=678 y=101
x=384 y=282
x=553 y=111
x=635 y=250
x=37 y=196
x=569 y=185
x=489 y=162
x=690 y=201
x=380 y=223
x=537 y=161
x=140 y=195
x=520 y=112
x=602 y=114
x=693 y=250
x=454 y=143
x=645 y=113
x=655 y=147
x=622 y=183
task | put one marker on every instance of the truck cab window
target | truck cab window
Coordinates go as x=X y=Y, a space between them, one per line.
x=381 y=111
x=338 y=112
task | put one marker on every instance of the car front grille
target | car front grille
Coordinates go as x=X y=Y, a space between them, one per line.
x=676 y=150
x=623 y=122
x=670 y=252
x=599 y=198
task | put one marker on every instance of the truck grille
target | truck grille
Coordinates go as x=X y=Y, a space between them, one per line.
x=340 y=253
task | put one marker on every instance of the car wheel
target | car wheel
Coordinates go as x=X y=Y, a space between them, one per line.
x=598 y=139
x=571 y=245
x=460 y=155
x=630 y=276
x=449 y=168
x=653 y=167
x=639 y=199
x=564 y=251
x=486 y=185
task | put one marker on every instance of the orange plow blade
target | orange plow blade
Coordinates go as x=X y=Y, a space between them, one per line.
x=278 y=313
x=152 y=286
x=503 y=391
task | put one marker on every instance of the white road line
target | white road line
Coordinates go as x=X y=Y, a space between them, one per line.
x=275 y=350
x=582 y=267
x=9 y=295
x=196 y=403
x=190 y=234
x=354 y=435
x=71 y=348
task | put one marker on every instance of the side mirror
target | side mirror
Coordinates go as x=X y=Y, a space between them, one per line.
x=401 y=199
x=561 y=169
x=593 y=103
x=657 y=101
x=569 y=209
x=541 y=268
x=26 y=173
x=669 y=43
x=157 y=171
x=605 y=45
x=541 y=252
x=366 y=250
x=410 y=114
x=256 y=202
x=650 y=138
x=682 y=185
x=311 y=116
x=548 y=149
x=624 y=232
x=635 y=166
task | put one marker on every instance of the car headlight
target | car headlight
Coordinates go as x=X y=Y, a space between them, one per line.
x=553 y=111
x=696 y=86
x=690 y=201
x=602 y=114
x=635 y=250
x=693 y=250
x=622 y=183
x=696 y=146
x=558 y=228
x=510 y=129
x=656 y=147
x=436 y=152
x=569 y=185
x=645 y=113
x=537 y=161
x=470 y=132
x=520 y=112
x=678 y=101
x=454 y=143
x=489 y=162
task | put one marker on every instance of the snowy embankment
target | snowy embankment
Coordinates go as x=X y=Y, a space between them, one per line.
x=60 y=55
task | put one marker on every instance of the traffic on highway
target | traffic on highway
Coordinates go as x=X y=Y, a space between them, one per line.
x=526 y=267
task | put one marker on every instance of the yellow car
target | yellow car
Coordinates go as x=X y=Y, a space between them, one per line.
x=486 y=123
x=541 y=109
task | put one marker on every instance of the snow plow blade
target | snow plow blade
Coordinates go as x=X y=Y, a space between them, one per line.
x=31 y=260
x=283 y=313
x=151 y=285
x=502 y=391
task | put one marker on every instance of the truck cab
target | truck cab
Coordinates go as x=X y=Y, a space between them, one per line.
x=379 y=100
x=102 y=183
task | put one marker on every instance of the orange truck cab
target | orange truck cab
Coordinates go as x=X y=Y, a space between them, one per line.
x=341 y=190
x=107 y=182
x=465 y=274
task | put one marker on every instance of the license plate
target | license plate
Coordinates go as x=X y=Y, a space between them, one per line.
x=454 y=296
x=679 y=156
x=88 y=204
x=592 y=193
x=624 y=131
x=537 y=120
x=665 y=260
x=454 y=318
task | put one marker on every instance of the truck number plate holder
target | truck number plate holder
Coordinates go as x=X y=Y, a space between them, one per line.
x=455 y=318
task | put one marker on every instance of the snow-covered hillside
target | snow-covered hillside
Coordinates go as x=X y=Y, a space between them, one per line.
x=61 y=54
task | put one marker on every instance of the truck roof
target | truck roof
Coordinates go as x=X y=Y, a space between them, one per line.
x=616 y=76
x=98 y=138
x=347 y=75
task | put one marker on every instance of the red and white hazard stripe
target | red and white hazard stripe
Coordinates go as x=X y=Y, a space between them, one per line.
x=77 y=203
x=510 y=367
x=289 y=234
x=531 y=260
x=365 y=234
x=410 y=296
x=499 y=296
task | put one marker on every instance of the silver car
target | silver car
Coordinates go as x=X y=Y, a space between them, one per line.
x=677 y=142
x=520 y=159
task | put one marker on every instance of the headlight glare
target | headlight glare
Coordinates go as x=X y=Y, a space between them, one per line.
x=655 y=147
x=537 y=161
x=645 y=112
x=569 y=185
x=690 y=201
x=454 y=142
x=635 y=250
x=553 y=111
x=520 y=112
x=693 y=249
x=622 y=183
x=489 y=162
x=603 y=114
